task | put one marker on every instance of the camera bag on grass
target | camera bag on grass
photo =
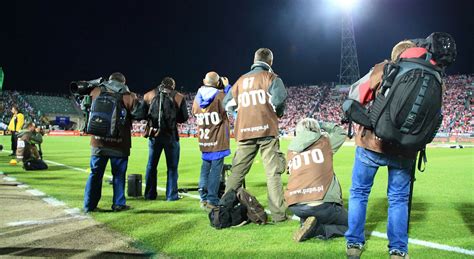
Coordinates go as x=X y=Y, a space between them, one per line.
x=35 y=164
x=255 y=211
x=229 y=212
x=107 y=115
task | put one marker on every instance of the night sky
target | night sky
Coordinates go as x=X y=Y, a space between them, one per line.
x=47 y=44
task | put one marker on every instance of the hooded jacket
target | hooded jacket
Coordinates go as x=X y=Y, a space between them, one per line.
x=312 y=180
x=212 y=123
x=117 y=147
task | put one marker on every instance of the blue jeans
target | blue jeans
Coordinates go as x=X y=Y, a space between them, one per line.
x=93 y=189
x=171 y=147
x=210 y=180
x=365 y=167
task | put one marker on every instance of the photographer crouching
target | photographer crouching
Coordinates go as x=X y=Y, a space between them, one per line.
x=109 y=121
x=27 y=151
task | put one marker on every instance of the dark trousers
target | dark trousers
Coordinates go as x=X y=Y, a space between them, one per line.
x=171 y=148
x=331 y=218
x=14 y=142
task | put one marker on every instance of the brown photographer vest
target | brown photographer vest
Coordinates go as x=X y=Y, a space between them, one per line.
x=256 y=117
x=212 y=125
x=311 y=173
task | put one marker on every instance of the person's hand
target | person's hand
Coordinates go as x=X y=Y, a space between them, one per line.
x=225 y=81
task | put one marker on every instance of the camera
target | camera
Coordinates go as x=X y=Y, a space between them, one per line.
x=441 y=45
x=220 y=83
x=84 y=87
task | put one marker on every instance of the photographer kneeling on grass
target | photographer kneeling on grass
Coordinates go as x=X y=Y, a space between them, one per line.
x=27 y=150
x=313 y=192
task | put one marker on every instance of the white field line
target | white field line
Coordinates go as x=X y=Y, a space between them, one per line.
x=45 y=222
x=35 y=192
x=9 y=179
x=54 y=202
x=454 y=249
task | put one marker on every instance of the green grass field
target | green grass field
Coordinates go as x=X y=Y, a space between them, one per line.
x=443 y=205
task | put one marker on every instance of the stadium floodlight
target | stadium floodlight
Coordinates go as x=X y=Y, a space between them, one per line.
x=346 y=5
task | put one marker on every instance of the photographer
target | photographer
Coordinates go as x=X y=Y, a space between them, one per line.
x=27 y=150
x=259 y=97
x=313 y=192
x=15 y=125
x=115 y=149
x=213 y=128
x=166 y=107
x=414 y=65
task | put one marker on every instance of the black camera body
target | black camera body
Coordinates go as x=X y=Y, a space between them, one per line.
x=441 y=45
x=84 y=87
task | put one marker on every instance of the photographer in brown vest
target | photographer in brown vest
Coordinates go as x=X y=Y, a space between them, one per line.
x=214 y=135
x=313 y=192
x=259 y=97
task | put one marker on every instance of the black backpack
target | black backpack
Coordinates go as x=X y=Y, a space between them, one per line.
x=229 y=212
x=107 y=115
x=163 y=110
x=255 y=211
x=407 y=110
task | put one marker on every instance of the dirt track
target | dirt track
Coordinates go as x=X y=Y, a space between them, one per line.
x=30 y=226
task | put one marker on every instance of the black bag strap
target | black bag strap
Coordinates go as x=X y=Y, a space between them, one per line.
x=350 y=130
x=423 y=62
x=215 y=218
x=422 y=160
x=416 y=106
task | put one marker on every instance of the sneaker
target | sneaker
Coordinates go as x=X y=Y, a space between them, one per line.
x=118 y=208
x=202 y=204
x=397 y=254
x=354 y=251
x=305 y=231
x=87 y=210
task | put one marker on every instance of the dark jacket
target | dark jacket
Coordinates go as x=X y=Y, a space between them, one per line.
x=117 y=147
x=181 y=114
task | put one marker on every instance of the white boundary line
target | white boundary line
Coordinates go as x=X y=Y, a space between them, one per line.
x=428 y=244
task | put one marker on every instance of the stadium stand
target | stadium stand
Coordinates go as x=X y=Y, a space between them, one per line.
x=320 y=102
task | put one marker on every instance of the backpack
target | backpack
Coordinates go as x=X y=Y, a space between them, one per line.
x=163 y=110
x=255 y=211
x=229 y=212
x=107 y=115
x=407 y=110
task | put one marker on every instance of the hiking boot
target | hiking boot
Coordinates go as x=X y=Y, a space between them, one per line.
x=353 y=251
x=118 y=208
x=305 y=231
x=396 y=254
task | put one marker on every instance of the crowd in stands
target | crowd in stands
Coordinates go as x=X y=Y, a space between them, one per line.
x=319 y=102
x=458 y=104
